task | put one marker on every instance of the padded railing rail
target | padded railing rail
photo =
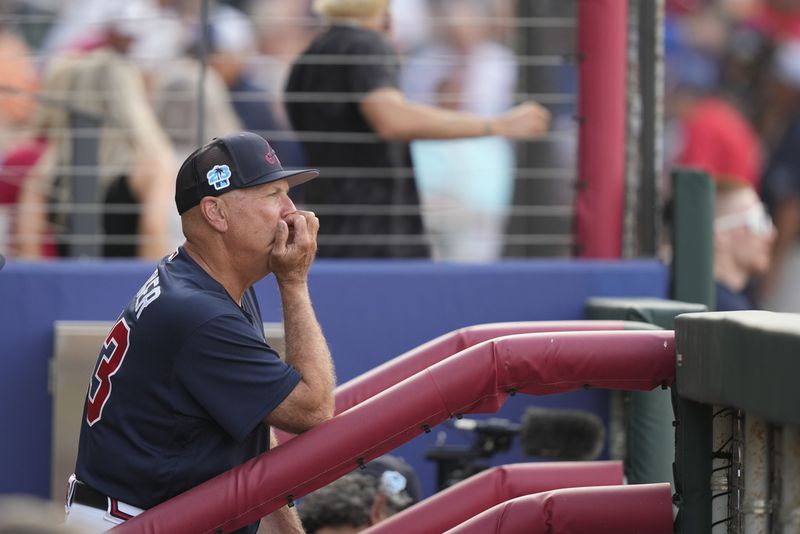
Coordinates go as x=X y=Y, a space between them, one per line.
x=420 y=358
x=410 y=363
x=478 y=379
x=599 y=510
x=480 y=492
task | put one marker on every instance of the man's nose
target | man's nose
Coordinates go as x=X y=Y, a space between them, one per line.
x=288 y=206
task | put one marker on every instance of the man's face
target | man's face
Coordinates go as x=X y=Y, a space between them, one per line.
x=255 y=214
x=745 y=230
x=466 y=26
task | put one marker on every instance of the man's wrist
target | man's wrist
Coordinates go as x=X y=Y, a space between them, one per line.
x=292 y=284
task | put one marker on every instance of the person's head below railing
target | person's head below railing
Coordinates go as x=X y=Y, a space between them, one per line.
x=360 y=499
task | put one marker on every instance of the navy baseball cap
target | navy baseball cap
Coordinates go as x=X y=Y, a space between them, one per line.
x=235 y=161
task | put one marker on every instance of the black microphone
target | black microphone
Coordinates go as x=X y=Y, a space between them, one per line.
x=562 y=434
x=2 y=262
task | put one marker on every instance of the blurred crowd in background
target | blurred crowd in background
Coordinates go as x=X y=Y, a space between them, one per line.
x=125 y=74
x=129 y=69
x=732 y=70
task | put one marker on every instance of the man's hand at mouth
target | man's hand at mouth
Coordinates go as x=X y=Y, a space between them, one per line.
x=295 y=247
x=290 y=239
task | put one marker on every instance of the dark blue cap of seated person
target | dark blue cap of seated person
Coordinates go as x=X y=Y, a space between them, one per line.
x=235 y=161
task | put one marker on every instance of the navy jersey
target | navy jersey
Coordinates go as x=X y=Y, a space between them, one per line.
x=180 y=390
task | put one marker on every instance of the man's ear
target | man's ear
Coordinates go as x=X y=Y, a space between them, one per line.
x=378 y=512
x=215 y=213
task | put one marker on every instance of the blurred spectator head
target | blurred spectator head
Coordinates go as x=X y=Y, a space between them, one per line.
x=231 y=31
x=19 y=80
x=412 y=26
x=132 y=23
x=743 y=231
x=360 y=499
x=345 y=9
x=786 y=65
x=231 y=43
x=407 y=485
x=466 y=22
x=283 y=28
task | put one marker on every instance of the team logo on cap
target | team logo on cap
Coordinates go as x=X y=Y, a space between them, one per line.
x=219 y=177
x=271 y=157
x=393 y=482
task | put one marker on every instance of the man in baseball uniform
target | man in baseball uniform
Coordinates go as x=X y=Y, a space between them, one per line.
x=186 y=386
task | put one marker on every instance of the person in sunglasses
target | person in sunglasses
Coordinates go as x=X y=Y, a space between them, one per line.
x=743 y=240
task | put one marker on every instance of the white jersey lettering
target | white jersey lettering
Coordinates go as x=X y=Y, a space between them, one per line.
x=148 y=294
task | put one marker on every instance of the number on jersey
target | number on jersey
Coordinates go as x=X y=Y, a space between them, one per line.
x=111 y=358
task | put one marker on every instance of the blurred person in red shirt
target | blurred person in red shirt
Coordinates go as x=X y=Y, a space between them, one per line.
x=712 y=134
x=718 y=139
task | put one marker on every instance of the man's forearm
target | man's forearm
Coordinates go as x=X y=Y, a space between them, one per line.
x=393 y=117
x=306 y=348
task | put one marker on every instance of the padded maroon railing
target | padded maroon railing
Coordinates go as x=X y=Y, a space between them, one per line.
x=410 y=363
x=478 y=379
x=638 y=509
x=478 y=493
